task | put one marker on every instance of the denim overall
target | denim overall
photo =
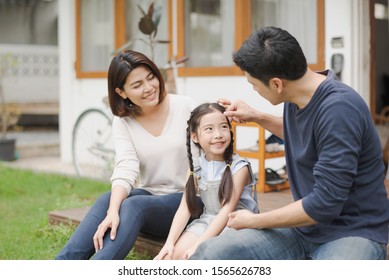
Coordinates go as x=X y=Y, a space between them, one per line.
x=208 y=190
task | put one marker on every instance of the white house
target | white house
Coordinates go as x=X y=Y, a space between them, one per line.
x=353 y=33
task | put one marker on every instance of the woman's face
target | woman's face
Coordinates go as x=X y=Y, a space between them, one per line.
x=141 y=87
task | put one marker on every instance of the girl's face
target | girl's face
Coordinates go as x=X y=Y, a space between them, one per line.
x=213 y=135
x=141 y=87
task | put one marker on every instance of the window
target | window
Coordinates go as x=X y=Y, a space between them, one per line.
x=141 y=42
x=210 y=30
x=96 y=35
x=207 y=31
x=294 y=16
x=105 y=26
x=29 y=22
x=209 y=23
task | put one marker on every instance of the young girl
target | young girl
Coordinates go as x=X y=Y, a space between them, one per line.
x=223 y=179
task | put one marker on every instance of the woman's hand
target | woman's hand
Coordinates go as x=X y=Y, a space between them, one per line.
x=111 y=221
x=166 y=252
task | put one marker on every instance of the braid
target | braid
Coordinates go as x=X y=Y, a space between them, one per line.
x=188 y=148
x=226 y=184
x=190 y=188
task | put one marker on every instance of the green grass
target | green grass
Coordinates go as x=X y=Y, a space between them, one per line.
x=26 y=198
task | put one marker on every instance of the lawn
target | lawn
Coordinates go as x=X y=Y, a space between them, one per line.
x=26 y=197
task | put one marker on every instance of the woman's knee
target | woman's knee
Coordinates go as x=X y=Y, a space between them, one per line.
x=104 y=199
x=100 y=207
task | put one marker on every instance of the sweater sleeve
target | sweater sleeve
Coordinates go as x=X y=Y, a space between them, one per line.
x=338 y=133
x=126 y=169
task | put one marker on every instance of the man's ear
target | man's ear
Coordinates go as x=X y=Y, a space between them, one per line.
x=121 y=93
x=276 y=84
x=193 y=137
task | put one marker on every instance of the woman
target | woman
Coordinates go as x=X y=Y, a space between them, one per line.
x=151 y=164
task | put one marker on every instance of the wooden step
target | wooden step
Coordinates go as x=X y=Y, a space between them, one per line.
x=151 y=244
x=144 y=244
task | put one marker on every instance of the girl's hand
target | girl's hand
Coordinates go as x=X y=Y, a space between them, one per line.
x=190 y=251
x=166 y=252
x=111 y=221
x=241 y=219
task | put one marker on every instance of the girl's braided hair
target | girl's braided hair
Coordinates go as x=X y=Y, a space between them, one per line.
x=226 y=183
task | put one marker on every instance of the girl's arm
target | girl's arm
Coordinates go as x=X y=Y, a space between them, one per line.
x=241 y=178
x=291 y=215
x=179 y=223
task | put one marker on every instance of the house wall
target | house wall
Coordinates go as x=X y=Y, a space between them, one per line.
x=34 y=76
x=77 y=95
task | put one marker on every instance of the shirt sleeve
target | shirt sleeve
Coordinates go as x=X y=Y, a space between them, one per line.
x=126 y=168
x=338 y=134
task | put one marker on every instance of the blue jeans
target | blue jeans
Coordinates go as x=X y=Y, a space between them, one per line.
x=284 y=244
x=139 y=212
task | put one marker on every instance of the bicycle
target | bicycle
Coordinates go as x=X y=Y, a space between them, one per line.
x=93 y=152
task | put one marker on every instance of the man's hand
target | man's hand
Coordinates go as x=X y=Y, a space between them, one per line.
x=237 y=111
x=241 y=219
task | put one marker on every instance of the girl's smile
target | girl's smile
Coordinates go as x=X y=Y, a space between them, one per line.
x=213 y=135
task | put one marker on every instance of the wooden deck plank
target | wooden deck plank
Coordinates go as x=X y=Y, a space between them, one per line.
x=143 y=244
x=266 y=201
x=152 y=245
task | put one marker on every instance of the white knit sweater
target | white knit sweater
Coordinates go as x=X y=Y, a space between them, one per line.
x=157 y=164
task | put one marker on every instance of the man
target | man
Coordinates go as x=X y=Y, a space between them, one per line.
x=333 y=158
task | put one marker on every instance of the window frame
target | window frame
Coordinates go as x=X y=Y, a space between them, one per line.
x=242 y=31
x=120 y=36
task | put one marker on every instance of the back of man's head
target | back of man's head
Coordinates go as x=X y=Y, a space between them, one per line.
x=271 y=52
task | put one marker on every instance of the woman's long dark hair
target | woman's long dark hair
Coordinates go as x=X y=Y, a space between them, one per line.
x=121 y=66
x=226 y=184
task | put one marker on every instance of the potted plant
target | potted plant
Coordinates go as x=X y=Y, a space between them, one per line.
x=9 y=113
x=148 y=25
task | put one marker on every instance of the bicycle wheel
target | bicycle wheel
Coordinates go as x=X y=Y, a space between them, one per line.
x=92 y=147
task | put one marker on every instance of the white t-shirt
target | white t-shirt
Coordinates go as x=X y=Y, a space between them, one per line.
x=156 y=164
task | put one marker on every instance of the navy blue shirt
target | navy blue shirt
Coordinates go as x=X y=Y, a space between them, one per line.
x=334 y=163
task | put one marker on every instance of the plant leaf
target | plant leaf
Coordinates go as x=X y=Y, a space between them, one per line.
x=156 y=17
x=141 y=10
x=162 y=41
x=146 y=25
x=151 y=10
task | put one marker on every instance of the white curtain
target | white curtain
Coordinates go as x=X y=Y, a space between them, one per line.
x=97 y=34
x=209 y=32
x=298 y=17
